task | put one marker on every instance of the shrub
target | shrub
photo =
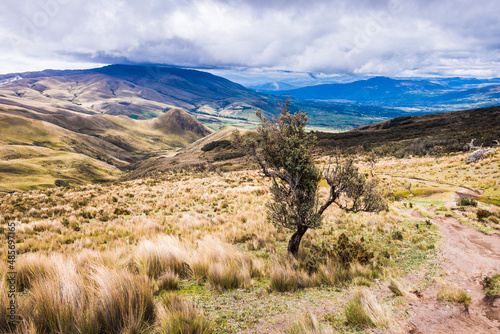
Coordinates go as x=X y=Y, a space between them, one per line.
x=452 y=293
x=397 y=235
x=347 y=251
x=214 y=144
x=61 y=183
x=467 y=201
x=491 y=286
x=228 y=156
x=121 y=212
x=482 y=214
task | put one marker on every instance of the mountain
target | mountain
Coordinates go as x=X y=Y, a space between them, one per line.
x=136 y=91
x=423 y=94
x=435 y=133
x=143 y=92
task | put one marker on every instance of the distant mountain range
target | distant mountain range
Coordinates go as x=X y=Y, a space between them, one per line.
x=426 y=95
x=142 y=92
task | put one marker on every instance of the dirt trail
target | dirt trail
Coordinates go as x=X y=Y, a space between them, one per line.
x=469 y=256
x=462 y=189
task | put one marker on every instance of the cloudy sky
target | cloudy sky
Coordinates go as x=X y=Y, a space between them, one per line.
x=328 y=37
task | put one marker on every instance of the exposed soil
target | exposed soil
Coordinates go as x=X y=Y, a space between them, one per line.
x=468 y=257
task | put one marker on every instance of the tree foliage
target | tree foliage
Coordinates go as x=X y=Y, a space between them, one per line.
x=284 y=151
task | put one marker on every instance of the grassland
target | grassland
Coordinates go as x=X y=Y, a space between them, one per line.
x=202 y=236
x=483 y=176
x=195 y=252
x=35 y=153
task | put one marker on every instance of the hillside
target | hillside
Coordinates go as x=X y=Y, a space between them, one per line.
x=419 y=135
x=210 y=152
x=93 y=148
x=143 y=92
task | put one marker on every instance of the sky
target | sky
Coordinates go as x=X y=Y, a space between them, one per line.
x=261 y=38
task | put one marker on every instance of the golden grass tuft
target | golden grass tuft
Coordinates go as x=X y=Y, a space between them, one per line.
x=398 y=288
x=31 y=267
x=155 y=257
x=452 y=293
x=121 y=300
x=284 y=277
x=364 y=310
x=168 y=281
x=88 y=302
x=308 y=324
x=177 y=316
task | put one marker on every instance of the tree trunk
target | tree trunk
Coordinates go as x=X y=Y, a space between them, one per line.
x=294 y=243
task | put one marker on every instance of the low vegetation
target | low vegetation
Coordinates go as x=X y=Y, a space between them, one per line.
x=452 y=293
x=365 y=310
x=491 y=286
x=172 y=234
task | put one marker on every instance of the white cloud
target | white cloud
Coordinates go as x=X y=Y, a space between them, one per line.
x=383 y=37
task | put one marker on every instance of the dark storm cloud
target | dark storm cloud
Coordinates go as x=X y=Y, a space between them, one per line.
x=388 y=37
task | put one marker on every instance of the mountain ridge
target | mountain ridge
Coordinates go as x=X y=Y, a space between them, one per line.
x=446 y=94
x=144 y=92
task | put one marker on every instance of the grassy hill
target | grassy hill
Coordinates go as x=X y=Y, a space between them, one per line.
x=437 y=133
x=94 y=148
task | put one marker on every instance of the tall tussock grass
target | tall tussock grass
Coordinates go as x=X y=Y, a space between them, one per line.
x=177 y=316
x=221 y=265
x=308 y=324
x=4 y=305
x=155 y=257
x=121 y=300
x=364 y=310
x=30 y=268
x=284 y=277
x=102 y=301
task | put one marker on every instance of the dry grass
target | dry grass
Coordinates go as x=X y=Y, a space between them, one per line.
x=452 y=293
x=308 y=324
x=364 y=310
x=166 y=253
x=398 y=288
x=177 y=316
x=198 y=234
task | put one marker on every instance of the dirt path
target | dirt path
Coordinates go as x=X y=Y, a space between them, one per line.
x=461 y=189
x=469 y=256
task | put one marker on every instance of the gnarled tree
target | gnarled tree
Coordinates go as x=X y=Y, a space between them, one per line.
x=283 y=149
